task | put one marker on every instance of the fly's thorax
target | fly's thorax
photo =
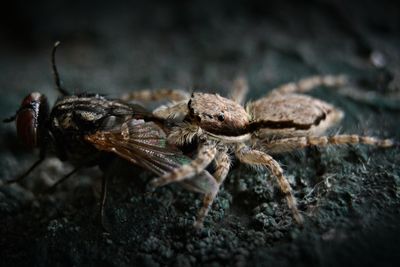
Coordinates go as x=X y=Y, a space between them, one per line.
x=87 y=113
x=73 y=117
x=217 y=115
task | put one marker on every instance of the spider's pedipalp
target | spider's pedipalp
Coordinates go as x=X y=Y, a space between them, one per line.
x=184 y=134
x=172 y=111
x=256 y=157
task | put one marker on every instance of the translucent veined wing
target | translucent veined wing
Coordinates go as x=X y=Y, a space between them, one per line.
x=145 y=144
x=142 y=143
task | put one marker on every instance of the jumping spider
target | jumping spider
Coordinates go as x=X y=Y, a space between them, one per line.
x=283 y=120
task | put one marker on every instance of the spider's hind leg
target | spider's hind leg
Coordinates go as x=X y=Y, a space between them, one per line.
x=292 y=143
x=310 y=83
x=255 y=157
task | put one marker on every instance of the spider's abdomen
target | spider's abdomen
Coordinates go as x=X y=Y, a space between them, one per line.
x=285 y=115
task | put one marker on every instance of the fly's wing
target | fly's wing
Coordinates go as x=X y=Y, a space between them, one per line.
x=145 y=144
x=142 y=143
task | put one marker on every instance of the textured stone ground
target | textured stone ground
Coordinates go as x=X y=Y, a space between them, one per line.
x=349 y=195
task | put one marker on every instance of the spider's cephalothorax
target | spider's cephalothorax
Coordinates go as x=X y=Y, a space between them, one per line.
x=281 y=121
x=216 y=114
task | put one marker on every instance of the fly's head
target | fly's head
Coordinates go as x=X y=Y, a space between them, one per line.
x=30 y=119
x=217 y=115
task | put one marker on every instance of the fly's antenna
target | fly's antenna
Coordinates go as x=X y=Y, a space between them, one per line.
x=55 y=71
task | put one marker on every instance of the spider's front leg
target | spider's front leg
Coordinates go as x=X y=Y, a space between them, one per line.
x=177 y=109
x=206 y=153
x=255 y=157
x=240 y=87
x=223 y=164
x=148 y=95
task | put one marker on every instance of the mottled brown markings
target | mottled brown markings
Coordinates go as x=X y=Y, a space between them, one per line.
x=216 y=114
x=256 y=157
x=162 y=94
x=205 y=155
x=281 y=121
x=72 y=131
x=266 y=124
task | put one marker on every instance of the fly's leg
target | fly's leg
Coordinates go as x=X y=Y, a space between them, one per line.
x=104 y=187
x=25 y=174
x=53 y=187
x=57 y=79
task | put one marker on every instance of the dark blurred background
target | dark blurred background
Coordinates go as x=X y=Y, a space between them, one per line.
x=194 y=43
x=113 y=47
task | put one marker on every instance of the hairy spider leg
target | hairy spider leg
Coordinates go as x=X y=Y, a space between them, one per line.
x=255 y=157
x=240 y=88
x=292 y=143
x=172 y=111
x=205 y=154
x=310 y=83
x=148 y=95
x=222 y=166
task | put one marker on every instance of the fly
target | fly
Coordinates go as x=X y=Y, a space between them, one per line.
x=88 y=129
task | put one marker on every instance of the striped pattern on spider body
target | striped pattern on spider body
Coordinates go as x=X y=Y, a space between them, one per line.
x=283 y=120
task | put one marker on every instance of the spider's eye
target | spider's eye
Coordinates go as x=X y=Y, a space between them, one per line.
x=221 y=117
x=33 y=110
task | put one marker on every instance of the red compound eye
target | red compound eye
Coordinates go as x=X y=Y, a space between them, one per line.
x=27 y=127
x=33 y=110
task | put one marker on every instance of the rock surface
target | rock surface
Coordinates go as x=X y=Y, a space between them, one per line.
x=350 y=196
